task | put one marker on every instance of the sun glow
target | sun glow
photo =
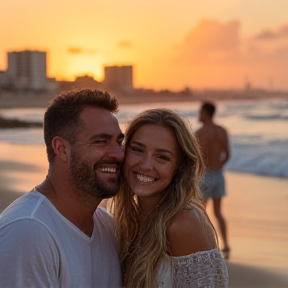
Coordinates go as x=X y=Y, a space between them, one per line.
x=179 y=44
x=83 y=65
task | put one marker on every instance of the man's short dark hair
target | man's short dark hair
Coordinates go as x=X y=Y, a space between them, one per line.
x=62 y=116
x=209 y=107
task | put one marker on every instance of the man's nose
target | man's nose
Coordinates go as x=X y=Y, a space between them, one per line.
x=116 y=152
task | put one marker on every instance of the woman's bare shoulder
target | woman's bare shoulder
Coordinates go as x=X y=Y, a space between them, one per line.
x=190 y=232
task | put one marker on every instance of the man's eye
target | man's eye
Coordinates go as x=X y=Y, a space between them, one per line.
x=100 y=141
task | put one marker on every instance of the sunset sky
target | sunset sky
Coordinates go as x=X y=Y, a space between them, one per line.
x=171 y=43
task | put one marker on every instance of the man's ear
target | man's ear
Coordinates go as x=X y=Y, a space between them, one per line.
x=60 y=147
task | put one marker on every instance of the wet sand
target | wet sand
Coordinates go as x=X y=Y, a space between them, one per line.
x=256 y=213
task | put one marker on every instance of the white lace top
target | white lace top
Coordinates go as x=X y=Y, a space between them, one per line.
x=201 y=269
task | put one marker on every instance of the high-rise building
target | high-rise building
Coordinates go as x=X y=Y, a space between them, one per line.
x=119 y=77
x=27 y=69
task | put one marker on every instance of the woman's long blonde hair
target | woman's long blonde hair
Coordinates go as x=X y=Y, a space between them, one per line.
x=143 y=241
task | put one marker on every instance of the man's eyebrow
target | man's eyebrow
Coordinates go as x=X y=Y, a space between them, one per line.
x=101 y=135
x=106 y=136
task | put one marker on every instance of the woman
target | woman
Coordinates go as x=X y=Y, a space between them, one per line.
x=166 y=238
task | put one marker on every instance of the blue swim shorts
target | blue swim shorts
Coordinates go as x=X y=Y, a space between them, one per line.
x=213 y=184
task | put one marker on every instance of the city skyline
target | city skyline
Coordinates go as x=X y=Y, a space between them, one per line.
x=27 y=70
x=197 y=44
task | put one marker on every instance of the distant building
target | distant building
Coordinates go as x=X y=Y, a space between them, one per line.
x=52 y=84
x=27 y=69
x=65 y=85
x=118 y=77
x=80 y=82
x=3 y=79
x=87 y=81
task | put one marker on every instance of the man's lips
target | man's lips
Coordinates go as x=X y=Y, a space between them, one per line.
x=107 y=169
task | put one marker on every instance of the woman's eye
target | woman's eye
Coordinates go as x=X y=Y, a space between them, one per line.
x=136 y=149
x=165 y=158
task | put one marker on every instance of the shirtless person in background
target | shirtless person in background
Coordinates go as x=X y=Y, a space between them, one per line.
x=213 y=140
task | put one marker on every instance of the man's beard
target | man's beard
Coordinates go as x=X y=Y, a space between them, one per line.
x=87 y=180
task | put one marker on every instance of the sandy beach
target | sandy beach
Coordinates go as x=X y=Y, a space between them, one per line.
x=255 y=209
x=256 y=213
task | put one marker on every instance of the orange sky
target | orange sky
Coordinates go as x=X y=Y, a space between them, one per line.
x=171 y=44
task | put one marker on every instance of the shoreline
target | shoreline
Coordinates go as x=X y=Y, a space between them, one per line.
x=42 y=99
x=15 y=123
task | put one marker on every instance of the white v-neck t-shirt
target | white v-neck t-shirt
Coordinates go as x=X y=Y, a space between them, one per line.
x=39 y=247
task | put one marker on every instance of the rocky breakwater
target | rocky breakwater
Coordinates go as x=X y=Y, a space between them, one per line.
x=15 y=123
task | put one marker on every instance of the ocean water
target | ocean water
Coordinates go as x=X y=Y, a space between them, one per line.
x=258 y=130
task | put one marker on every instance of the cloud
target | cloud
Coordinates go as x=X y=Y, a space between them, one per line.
x=124 y=44
x=75 y=50
x=79 y=50
x=215 y=52
x=209 y=41
x=281 y=32
x=266 y=35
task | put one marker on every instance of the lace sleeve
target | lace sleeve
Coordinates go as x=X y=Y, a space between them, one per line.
x=202 y=269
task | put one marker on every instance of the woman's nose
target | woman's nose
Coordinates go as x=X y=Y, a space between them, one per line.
x=147 y=163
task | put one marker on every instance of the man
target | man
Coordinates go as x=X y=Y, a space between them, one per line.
x=213 y=140
x=54 y=236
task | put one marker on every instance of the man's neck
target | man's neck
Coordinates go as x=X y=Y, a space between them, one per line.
x=208 y=122
x=71 y=205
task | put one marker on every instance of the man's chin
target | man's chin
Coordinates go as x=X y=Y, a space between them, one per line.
x=107 y=192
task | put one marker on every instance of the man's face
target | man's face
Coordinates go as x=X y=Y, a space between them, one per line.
x=202 y=115
x=97 y=155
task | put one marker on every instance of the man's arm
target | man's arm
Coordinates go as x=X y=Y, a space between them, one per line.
x=225 y=155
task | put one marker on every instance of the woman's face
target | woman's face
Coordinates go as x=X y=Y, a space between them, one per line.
x=151 y=159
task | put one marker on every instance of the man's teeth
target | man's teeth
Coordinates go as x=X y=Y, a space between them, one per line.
x=143 y=178
x=108 y=169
